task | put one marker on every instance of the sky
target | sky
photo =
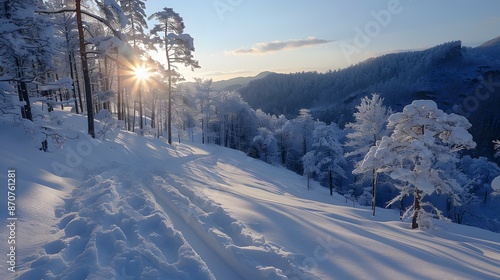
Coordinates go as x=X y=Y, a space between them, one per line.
x=237 y=38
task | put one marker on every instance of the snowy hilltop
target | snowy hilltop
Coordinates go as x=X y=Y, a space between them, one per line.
x=133 y=207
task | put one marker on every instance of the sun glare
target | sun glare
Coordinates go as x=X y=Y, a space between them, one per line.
x=141 y=73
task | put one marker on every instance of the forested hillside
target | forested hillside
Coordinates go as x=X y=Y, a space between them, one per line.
x=459 y=79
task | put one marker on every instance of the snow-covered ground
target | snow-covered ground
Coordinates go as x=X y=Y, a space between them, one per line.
x=134 y=207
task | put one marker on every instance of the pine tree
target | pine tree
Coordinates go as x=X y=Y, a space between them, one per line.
x=264 y=146
x=370 y=126
x=26 y=52
x=179 y=48
x=136 y=33
x=424 y=142
x=325 y=161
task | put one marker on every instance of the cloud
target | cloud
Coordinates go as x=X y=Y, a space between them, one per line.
x=263 y=48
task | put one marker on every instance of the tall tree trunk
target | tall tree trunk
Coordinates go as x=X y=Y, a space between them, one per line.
x=330 y=176
x=127 y=107
x=85 y=70
x=73 y=82
x=133 y=115
x=169 y=112
x=141 y=124
x=70 y=65
x=106 y=104
x=374 y=191
x=416 y=208
x=23 y=93
x=118 y=88
x=77 y=78
x=26 y=99
x=153 y=113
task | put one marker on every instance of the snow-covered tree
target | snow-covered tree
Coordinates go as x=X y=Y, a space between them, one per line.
x=424 y=141
x=26 y=47
x=309 y=165
x=136 y=21
x=475 y=175
x=326 y=160
x=65 y=28
x=297 y=135
x=204 y=96
x=108 y=13
x=495 y=184
x=329 y=153
x=370 y=125
x=178 y=46
x=137 y=38
x=264 y=146
x=497 y=147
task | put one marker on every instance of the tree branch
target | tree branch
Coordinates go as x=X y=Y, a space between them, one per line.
x=98 y=18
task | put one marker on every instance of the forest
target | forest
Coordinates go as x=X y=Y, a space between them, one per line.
x=395 y=131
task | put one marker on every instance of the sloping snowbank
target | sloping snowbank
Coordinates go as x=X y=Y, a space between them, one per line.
x=137 y=208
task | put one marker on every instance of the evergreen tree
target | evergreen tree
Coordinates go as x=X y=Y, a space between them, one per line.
x=297 y=135
x=370 y=126
x=136 y=33
x=179 y=48
x=326 y=160
x=26 y=52
x=423 y=143
x=264 y=146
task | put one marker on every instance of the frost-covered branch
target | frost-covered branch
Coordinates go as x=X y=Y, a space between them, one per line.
x=497 y=147
x=102 y=20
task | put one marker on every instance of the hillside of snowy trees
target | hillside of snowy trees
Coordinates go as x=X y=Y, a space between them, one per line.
x=413 y=131
x=459 y=79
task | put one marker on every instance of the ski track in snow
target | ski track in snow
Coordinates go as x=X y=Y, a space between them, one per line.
x=250 y=257
x=145 y=226
x=147 y=210
x=111 y=230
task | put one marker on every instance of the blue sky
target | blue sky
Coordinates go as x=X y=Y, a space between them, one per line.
x=245 y=37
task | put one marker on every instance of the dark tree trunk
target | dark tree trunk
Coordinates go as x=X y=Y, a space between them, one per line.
x=169 y=111
x=85 y=70
x=331 y=181
x=25 y=97
x=118 y=89
x=77 y=78
x=153 y=113
x=23 y=93
x=141 y=123
x=73 y=82
x=416 y=208
x=374 y=191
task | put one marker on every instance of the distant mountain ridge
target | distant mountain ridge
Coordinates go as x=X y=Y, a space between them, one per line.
x=460 y=79
x=233 y=84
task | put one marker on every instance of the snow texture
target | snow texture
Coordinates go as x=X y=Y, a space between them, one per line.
x=134 y=207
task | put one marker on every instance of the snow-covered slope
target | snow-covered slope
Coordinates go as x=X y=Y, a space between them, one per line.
x=136 y=208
